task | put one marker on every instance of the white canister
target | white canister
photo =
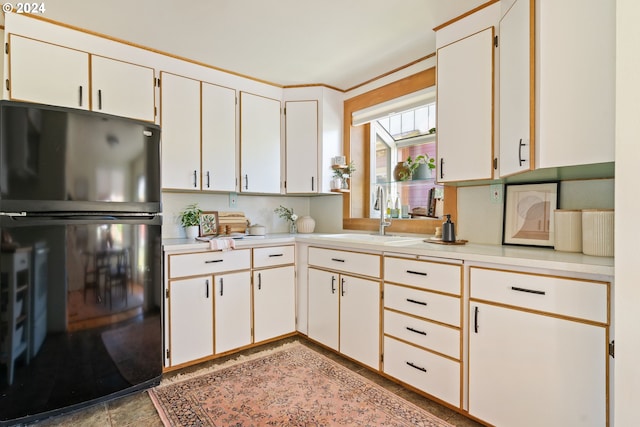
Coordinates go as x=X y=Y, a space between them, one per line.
x=568 y=230
x=597 y=232
x=306 y=224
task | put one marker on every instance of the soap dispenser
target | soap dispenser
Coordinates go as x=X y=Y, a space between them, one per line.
x=448 y=230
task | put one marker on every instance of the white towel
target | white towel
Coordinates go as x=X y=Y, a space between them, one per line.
x=222 y=244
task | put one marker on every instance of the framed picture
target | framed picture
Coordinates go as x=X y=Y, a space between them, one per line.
x=209 y=223
x=528 y=214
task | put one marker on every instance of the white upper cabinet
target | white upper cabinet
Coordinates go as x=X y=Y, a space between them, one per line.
x=301 y=133
x=218 y=138
x=575 y=82
x=180 y=122
x=122 y=88
x=313 y=136
x=465 y=108
x=116 y=87
x=259 y=144
x=198 y=122
x=516 y=85
x=562 y=114
x=67 y=73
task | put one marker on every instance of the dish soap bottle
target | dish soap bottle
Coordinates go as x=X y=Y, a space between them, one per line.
x=448 y=230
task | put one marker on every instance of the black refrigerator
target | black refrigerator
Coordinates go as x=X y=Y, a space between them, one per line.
x=80 y=262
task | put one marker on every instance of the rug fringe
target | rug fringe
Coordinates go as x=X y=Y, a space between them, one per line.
x=181 y=376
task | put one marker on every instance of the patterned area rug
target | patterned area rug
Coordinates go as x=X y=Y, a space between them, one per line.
x=291 y=386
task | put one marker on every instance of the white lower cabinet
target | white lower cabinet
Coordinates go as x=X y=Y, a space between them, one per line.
x=232 y=311
x=274 y=294
x=422 y=326
x=360 y=319
x=190 y=319
x=207 y=304
x=323 y=307
x=344 y=310
x=423 y=370
x=530 y=367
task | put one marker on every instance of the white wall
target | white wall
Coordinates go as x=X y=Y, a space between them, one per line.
x=627 y=233
x=480 y=219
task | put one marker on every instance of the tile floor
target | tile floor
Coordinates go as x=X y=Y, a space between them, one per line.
x=138 y=410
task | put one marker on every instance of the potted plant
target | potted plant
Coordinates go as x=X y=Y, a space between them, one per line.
x=287 y=213
x=420 y=167
x=190 y=220
x=340 y=176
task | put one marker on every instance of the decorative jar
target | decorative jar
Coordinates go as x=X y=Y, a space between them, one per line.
x=306 y=224
x=401 y=172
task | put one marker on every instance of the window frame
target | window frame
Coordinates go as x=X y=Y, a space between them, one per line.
x=357 y=148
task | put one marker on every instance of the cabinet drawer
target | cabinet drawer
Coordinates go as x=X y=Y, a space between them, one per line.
x=277 y=255
x=350 y=262
x=439 y=338
x=581 y=299
x=426 y=371
x=424 y=274
x=181 y=265
x=429 y=305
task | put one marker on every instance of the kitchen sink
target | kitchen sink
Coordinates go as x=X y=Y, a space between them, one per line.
x=387 y=239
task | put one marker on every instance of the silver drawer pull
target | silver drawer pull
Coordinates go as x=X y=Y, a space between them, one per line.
x=416 y=302
x=416 y=331
x=414 y=366
x=213 y=261
x=529 y=291
x=419 y=273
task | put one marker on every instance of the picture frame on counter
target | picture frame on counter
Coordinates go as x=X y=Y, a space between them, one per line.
x=209 y=223
x=528 y=214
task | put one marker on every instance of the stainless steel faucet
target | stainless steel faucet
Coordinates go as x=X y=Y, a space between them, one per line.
x=381 y=204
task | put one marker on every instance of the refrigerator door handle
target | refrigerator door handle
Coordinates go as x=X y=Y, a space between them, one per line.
x=13 y=214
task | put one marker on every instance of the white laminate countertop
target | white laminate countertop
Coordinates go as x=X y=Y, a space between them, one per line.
x=520 y=256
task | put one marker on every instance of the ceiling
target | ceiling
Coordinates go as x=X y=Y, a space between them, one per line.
x=339 y=43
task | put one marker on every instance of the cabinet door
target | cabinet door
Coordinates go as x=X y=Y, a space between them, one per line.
x=259 y=144
x=575 y=117
x=526 y=369
x=190 y=319
x=218 y=138
x=180 y=121
x=232 y=311
x=48 y=74
x=465 y=108
x=323 y=307
x=122 y=89
x=274 y=312
x=360 y=319
x=301 y=134
x=516 y=89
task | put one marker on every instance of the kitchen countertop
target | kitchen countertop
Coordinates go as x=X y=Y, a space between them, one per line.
x=520 y=256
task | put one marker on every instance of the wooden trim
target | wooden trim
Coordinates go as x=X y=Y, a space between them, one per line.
x=410 y=84
x=532 y=85
x=150 y=49
x=213 y=67
x=464 y=15
x=312 y=85
x=431 y=55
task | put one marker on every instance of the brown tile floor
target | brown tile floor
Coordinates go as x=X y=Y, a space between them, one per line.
x=138 y=410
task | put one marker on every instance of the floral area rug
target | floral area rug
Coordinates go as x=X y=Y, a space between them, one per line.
x=291 y=386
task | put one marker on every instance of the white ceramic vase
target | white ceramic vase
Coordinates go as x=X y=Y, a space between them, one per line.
x=306 y=224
